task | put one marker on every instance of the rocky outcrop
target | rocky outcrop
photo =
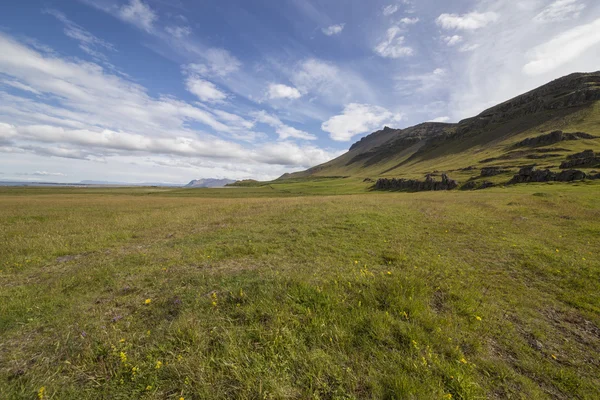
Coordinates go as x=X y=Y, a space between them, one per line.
x=492 y=171
x=530 y=174
x=428 y=184
x=552 y=138
x=586 y=158
x=472 y=185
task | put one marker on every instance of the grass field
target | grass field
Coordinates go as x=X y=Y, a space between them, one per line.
x=283 y=292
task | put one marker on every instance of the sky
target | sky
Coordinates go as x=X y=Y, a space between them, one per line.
x=175 y=90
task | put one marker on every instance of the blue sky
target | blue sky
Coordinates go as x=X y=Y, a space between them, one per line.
x=172 y=90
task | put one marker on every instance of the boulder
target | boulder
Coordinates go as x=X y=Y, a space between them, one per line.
x=530 y=174
x=586 y=158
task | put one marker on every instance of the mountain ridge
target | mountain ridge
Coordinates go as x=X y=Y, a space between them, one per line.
x=569 y=104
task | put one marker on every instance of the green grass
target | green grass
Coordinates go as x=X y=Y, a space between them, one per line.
x=279 y=292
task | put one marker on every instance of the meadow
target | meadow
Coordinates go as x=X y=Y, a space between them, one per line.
x=300 y=290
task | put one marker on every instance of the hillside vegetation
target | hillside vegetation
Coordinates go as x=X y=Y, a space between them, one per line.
x=570 y=104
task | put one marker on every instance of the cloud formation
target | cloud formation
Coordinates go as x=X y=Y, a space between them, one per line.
x=357 y=119
x=560 y=10
x=333 y=29
x=279 y=91
x=393 y=46
x=139 y=14
x=467 y=22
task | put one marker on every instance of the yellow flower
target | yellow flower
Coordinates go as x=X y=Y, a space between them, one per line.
x=389 y=272
x=448 y=396
x=181 y=398
x=478 y=318
x=148 y=387
x=123 y=357
x=158 y=364
x=148 y=301
x=355 y=262
x=42 y=392
x=122 y=341
x=557 y=250
x=462 y=360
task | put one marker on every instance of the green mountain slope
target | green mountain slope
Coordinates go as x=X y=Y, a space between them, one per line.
x=570 y=104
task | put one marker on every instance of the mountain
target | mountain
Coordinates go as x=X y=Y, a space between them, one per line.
x=544 y=126
x=209 y=183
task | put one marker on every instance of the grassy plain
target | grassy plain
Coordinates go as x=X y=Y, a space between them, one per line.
x=282 y=292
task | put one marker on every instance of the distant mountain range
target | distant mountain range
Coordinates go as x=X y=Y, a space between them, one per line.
x=208 y=183
x=545 y=127
x=196 y=183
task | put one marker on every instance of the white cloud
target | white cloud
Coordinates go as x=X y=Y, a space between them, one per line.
x=279 y=91
x=393 y=46
x=204 y=90
x=441 y=119
x=284 y=131
x=20 y=86
x=467 y=22
x=333 y=85
x=333 y=29
x=138 y=14
x=390 y=10
x=564 y=48
x=421 y=83
x=358 y=119
x=88 y=42
x=218 y=62
x=178 y=31
x=452 y=40
x=560 y=10
x=409 y=21
x=114 y=144
x=44 y=173
x=469 y=47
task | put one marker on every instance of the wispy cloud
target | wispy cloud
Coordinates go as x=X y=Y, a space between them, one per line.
x=468 y=22
x=563 y=48
x=139 y=14
x=88 y=42
x=390 y=9
x=560 y=10
x=284 y=131
x=333 y=29
x=393 y=46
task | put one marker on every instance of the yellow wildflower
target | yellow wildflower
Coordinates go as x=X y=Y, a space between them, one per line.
x=478 y=318
x=123 y=357
x=148 y=387
x=462 y=360
x=122 y=341
x=448 y=396
x=158 y=364
x=389 y=272
x=42 y=392
x=148 y=301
